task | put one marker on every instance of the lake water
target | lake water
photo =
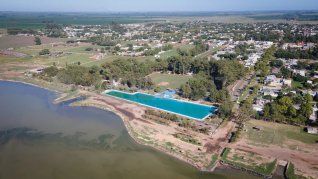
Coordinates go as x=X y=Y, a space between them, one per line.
x=183 y=108
x=39 y=139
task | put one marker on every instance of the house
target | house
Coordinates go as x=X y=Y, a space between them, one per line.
x=270 y=91
x=313 y=116
x=300 y=72
x=287 y=82
x=252 y=60
x=270 y=78
x=312 y=130
x=36 y=71
x=259 y=104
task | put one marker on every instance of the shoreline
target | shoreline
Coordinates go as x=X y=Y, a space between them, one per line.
x=135 y=139
x=132 y=133
x=120 y=115
x=32 y=84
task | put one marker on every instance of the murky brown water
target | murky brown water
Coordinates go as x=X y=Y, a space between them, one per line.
x=41 y=140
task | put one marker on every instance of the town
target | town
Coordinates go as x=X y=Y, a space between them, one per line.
x=261 y=77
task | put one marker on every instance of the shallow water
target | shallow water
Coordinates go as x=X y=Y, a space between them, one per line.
x=39 y=139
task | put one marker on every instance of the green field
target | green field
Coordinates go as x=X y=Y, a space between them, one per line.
x=165 y=81
x=168 y=54
x=67 y=59
x=34 y=50
x=25 y=20
x=6 y=59
x=276 y=134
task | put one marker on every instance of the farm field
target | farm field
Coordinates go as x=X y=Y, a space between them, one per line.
x=172 y=81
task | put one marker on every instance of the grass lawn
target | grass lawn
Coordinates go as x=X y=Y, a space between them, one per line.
x=100 y=62
x=174 y=51
x=169 y=53
x=165 y=81
x=273 y=133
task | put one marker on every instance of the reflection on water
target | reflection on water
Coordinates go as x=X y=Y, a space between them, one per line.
x=39 y=139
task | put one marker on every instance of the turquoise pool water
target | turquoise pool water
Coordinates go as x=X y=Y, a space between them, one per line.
x=183 y=108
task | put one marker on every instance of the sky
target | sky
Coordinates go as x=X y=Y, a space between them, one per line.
x=155 y=5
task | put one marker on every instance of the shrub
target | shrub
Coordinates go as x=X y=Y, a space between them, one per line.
x=290 y=172
x=44 y=52
x=89 y=49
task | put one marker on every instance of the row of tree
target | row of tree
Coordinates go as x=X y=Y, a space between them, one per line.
x=130 y=72
x=283 y=109
x=297 y=53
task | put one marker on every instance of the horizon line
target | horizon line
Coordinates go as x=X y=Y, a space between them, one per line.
x=175 y=11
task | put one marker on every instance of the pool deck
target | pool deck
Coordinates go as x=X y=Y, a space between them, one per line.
x=197 y=119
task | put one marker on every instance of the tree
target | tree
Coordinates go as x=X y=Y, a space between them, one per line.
x=185 y=91
x=286 y=72
x=44 y=52
x=78 y=75
x=199 y=85
x=225 y=109
x=306 y=108
x=277 y=63
x=267 y=111
x=89 y=49
x=55 y=30
x=245 y=113
x=51 y=71
x=37 y=41
x=284 y=104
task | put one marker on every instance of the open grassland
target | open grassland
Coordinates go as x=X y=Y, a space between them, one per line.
x=110 y=58
x=63 y=54
x=37 y=20
x=66 y=60
x=172 y=81
x=7 y=59
x=35 y=49
x=10 y=41
x=174 y=51
x=169 y=53
x=276 y=134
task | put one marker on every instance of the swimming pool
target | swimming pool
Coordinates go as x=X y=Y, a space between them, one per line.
x=179 y=107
